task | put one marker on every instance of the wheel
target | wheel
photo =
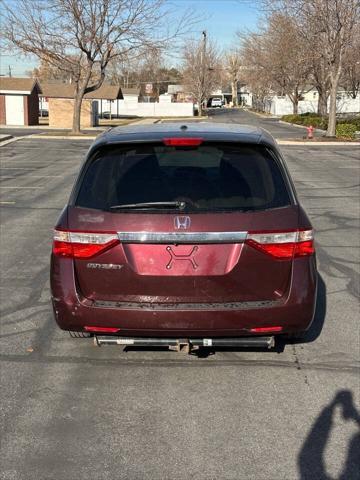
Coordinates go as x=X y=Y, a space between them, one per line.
x=298 y=336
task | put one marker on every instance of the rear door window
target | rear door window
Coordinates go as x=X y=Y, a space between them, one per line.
x=210 y=177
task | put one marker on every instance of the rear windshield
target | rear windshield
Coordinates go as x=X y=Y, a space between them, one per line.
x=206 y=178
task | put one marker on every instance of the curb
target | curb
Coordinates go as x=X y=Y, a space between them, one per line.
x=263 y=116
x=317 y=144
x=12 y=140
x=301 y=126
x=47 y=127
x=5 y=137
x=60 y=137
x=279 y=141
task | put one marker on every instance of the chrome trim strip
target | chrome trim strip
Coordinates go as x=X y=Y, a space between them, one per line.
x=182 y=237
x=146 y=306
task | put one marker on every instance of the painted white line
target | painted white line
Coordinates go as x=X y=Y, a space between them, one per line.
x=36 y=165
x=26 y=188
x=17 y=168
x=33 y=176
x=61 y=137
x=7 y=203
x=44 y=164
x=12 y=140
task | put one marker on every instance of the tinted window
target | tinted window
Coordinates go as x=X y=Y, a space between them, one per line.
x=208 y=178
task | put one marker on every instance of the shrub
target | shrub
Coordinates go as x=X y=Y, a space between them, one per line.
x=316 y=121
x=346 y=130
x=356 y=122
x=306 y=120
x=311 y=118
x=290 y=118
x=309 y=114
x=351 y=121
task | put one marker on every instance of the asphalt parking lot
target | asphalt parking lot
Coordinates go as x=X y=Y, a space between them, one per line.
x=278 y=129
x=72 y=411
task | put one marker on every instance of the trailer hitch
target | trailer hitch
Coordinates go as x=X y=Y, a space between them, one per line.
x=186 y=345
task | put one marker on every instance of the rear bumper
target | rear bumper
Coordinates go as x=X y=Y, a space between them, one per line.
x=294 y=313
x=177 y=344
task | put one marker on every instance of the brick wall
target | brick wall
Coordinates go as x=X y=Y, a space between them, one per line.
x=61 y=113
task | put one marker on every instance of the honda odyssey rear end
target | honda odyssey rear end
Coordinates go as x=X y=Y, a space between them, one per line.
x=184 y=233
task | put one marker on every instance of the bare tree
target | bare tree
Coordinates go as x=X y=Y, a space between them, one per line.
x=138 y=72
x=320 y=79
x=276 y=58
x=46 y=72
x=327 y=26
x=124 y=70
x=350 y=78
x=201 y=70
x=81 y=37
x=233 y=68
x=255 y=71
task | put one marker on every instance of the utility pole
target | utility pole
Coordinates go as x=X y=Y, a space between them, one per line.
x=203 y=71
x=10 y=71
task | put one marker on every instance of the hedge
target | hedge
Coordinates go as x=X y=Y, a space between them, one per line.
x=351 y=121
x=310 y=118
x=346 y=130
x=306 y=120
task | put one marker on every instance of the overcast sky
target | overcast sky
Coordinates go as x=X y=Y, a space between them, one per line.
x=221 y=19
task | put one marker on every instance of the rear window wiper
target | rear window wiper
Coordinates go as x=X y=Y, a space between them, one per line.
x=144 y=205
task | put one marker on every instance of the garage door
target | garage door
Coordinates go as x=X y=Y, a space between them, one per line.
x=14 y=105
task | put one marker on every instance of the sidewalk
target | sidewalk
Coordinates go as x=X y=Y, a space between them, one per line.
x=146 y=121
x=45 y=132
x=309 y=143
x=89 y=133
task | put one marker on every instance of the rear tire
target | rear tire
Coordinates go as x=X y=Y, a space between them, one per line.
x=298 y=336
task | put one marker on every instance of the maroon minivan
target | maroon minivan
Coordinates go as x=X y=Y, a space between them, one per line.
x=184 y=235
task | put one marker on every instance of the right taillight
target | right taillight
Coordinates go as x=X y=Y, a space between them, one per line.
x=283 y=245
x=82 y=244
x=305 y=243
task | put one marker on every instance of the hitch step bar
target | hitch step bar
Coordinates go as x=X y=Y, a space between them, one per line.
x=186 y=344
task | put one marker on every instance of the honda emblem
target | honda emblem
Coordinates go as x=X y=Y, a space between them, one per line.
x=182 y=223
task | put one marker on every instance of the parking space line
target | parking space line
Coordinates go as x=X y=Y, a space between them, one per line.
x=34 y=176
x=18 y=168
x=1 y=186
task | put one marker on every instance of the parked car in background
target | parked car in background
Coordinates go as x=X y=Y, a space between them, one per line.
x=216 y=103
x=107 y=115
x=190 y=234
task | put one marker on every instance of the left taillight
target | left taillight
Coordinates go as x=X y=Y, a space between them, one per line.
x=283 y=245
x=82 y=244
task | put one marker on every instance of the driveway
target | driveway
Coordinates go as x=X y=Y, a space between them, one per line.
x=70 y=410
x=281 y=131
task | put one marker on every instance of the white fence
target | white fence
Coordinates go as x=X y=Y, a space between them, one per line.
x=131 y=107
x=136 y=109
x=283 y=105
